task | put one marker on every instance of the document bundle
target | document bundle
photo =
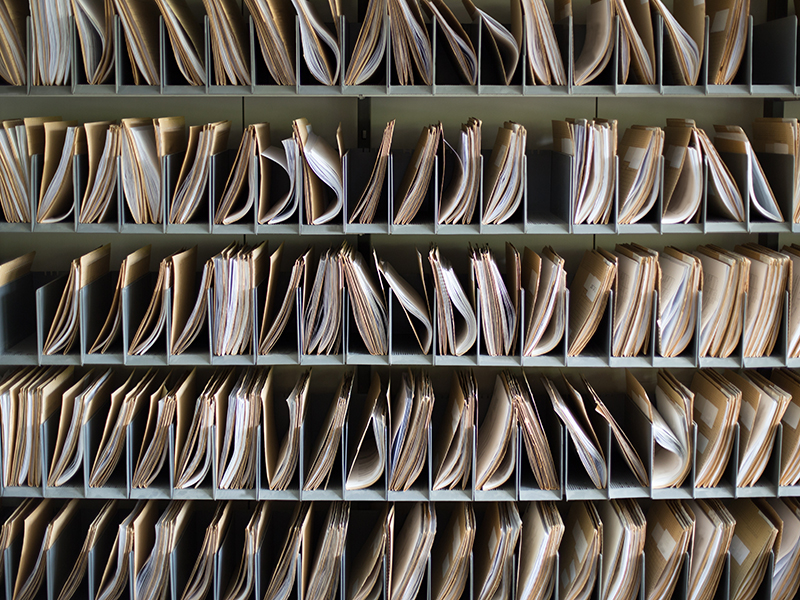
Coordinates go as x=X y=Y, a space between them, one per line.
x=204 y=142
x=545 y=302
x=636 y=43
x=717 y=402
x=62 y=141
x=686 y=149
x=367 y=463
x=458 y=200
x=248 y=182
x=103 y=143
x=409 y=417
x=589 y=292
x=459 y=43
x=774 y=136
x=637 y=272
x=144 y=143
x=504 y=176
x=366 y=207
x=413 y=188
x=451 y=457
x=599 y=43
x=495 y=541
x=498 y=299
x=639 y=183
x=583 y=544
x=456 y=539
x=545 y=63
x=456 y=318
x=593 y=145
x=537 y=447
x=65 y=326
x=496 y=435
x=678 y=284
x=229 y=43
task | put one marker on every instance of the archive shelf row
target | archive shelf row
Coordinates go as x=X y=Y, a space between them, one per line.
x=547 y=206
x=573 y=480
x=760 y=74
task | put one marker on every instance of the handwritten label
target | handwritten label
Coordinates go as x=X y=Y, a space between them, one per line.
x=702 y=442
x=674 y=156
x=747 y=415
x=664 y=541
x=739 y=551
x=592 y=286
x=720 y=19
x=792 y=415
x=708 y=412
x=566 y=146
x=634 y=157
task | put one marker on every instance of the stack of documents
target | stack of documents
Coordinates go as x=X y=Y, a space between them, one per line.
x=321 y=167
x=126 y=403
x=367 y=205
x=160 y=419
x=106 y=519
x=457 y=324
x=296 y=531
x=103 y=139
x=230 y=42
x=201 y=578
x=194 y=443
x=15 y=162
x=42 y=527
x=785 y=516
x=542 y=532
x=186 y=37
x=115 y=576
x=413 y=187
x=84 y=270
x=321 y=576
x=593 y=145
x=275 y=27
x=281 y=459
x=713 y=532
x=233 y=307
x=409 y=419
x=572 y=413
x=589 y=292
x=412 y=51
x=78 y=405
x=62 y=141
x=248 y=182
x=754 y=537
x=679 y=277
x=683 y=172
x=364 y=576
x=733 y=140
x=273 y=325
x=367 y=301
x=140 y=23
x=627 y=449
x=495 y=542
x=458 y=200
x=540 y=457
x=504 y=44
x=763 y=407
x=290 y=160
x=640 y=153
x=670 y=529
x=153 y=578
x=95 y=25
x=504 y=179
x=637 y=272
x=241 y=584
x=13 y=59
x=498 y=298
x=497 y=440
x=790 y=442
x=144 y=143
x=545 y=299
x=579 y=552
x=133 y=266
x=416 y=306
x=370 y=46
x=322 y=308
x=176 y=273
x=460 y=44
x=769 y=275
x=452 y=449
x=716 y=409
x=782 y=137
x=685 y=41
x=204 y=142
x=727 y=39
x=453 y=550
x=546 y=67
x=368 y=461
x=409 y=552
x=51 y=43
x=328 y=441
x=726 y=276
x=793 y=287
x=636 y=42
x=671 y=422
x=599 y=44
x=322 y=62
x=624 y=535
x=28 y=398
